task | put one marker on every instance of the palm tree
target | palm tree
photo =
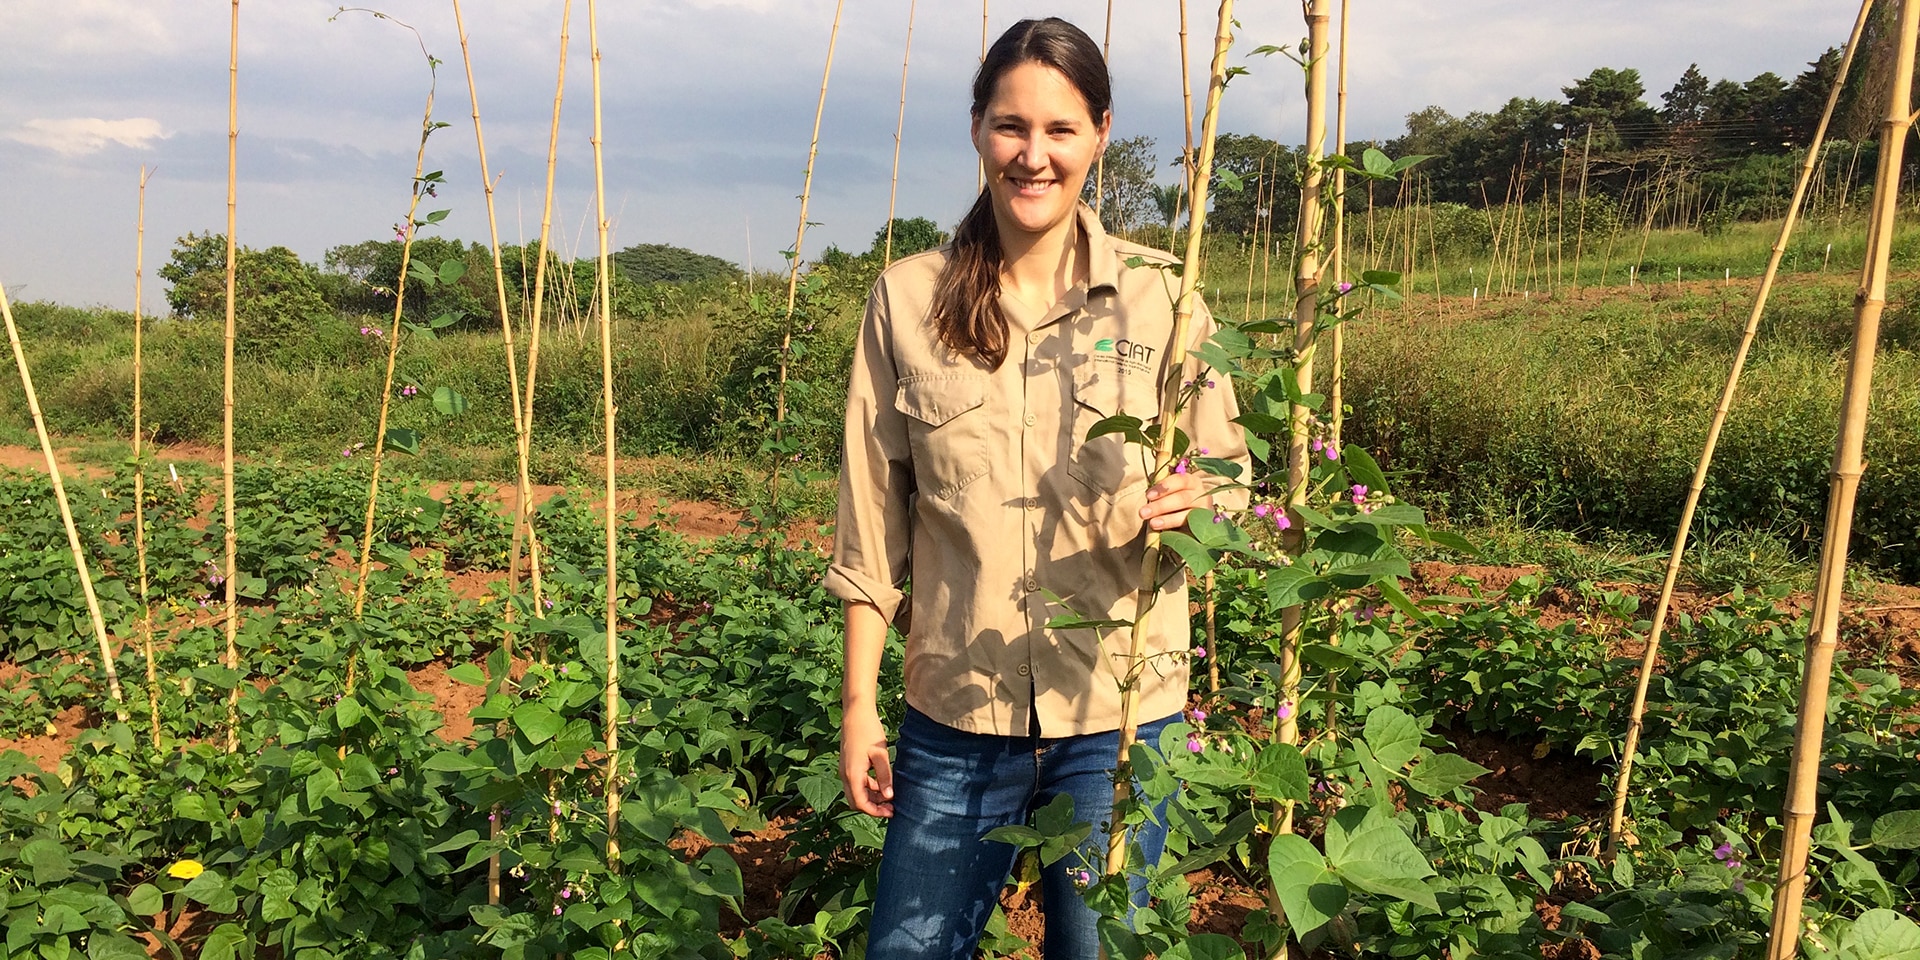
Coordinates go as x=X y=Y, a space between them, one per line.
x=1170 y=200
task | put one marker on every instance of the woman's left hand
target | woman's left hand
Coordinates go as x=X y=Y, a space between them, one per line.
x=1169 y=501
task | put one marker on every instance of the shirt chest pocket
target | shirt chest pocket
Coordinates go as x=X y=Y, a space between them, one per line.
x=946 y=429
x=1108 y=464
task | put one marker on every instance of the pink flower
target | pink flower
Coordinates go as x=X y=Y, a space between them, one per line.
x=556 y=909
x=566 y=893
x=1286 y=709
x=1194 y=745
x=1359 y=492
x=1262 y=509
x=1332 y=453
x=1182 y=466
x=1199 y=716
x=1316 y=444
x=1281 y=521
x=1199 y=652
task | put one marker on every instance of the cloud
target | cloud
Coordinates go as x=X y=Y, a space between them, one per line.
x=78 y=136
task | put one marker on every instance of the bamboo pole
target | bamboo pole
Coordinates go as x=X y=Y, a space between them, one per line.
x=66 y=512
x=1186 y=115
x=1648 y=660
x=520 y=444
x=1100 y=165
x=1259 y=204
x=1337 y=259
x=394 y=330
x=979 y=169
x=899 y=128
x=140 y=468
x=1580 y=228
x=1803 y=780
x=1650 y=657
x=800 y=236
x=537 y=321
x=611 y=779
x=231 y=607
x=1170 y=393
x=1306 y=285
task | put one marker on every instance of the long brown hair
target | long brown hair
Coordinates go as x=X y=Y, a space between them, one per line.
x=966 y=300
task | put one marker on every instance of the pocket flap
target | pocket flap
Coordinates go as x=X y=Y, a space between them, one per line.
x=934 y=399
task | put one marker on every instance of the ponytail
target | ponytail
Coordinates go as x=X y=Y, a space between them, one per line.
x=966 y=299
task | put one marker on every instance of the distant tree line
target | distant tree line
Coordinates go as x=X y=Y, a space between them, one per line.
x=1710 y=152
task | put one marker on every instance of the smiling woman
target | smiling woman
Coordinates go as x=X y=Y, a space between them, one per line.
x=980 y=370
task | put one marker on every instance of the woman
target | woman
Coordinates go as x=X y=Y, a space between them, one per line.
x=979 y=369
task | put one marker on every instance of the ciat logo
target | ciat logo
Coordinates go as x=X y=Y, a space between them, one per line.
x=1128 y=350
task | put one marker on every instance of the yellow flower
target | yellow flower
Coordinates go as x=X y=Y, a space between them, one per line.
x=186 y=870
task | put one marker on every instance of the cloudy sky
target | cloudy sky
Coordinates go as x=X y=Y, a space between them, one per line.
x=708 y=105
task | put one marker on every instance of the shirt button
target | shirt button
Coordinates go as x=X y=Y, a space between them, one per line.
x=1035 y=337
x=1033 y=503
x=1031 y=419
x=1023 y=671
x=1033 y=584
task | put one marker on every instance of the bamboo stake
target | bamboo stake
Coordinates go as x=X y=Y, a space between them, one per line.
x=1170 y=392
x=1306 y=285
x=521 y=450
x=900 y=127
x=1803 y=781
x=800 y=236
x=1580 y=229
x=1186 y=114
x=979 y=168
x=1648 y=660
x=231 y=606
x=66 y=512
x=1100 y=165
x=1259 y=203
x=1337 y=260
x=140 y=469
x=612 y=703
x=539 y=303
x=393 y=355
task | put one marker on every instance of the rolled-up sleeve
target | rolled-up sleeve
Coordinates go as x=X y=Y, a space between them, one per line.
x=1208 y=419
x=872 y=532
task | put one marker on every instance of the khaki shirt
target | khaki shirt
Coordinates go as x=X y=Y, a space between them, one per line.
x=980 y=488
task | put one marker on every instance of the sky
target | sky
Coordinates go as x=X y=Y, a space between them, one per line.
x=707 y=109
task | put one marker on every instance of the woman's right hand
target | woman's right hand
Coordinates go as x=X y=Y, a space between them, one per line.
x=865 y=772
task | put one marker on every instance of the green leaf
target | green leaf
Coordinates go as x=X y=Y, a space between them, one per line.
x=1312 y=894
x=348 y=712
x=449 y=402
x=451 y=761
x=225 y=942
x=1393 y=515
x=1380 y=278
x=1122 y=424
x=1364 y=470
x=404 y=440
x=1899 y=830
x=1292 y=586
x=1442 y=773
x=459 y=841
x=1450 y=540
x=1580 y=911
x=1205 y=946
x=422 y=273
x=538 y=722
x=212 y=890
x=1394 y=737
x=468 y=674
x=1370 y=851
x=1881 y=935
x=146 y=900
x=1376 y=163
x=103 y=945
x=452 y=270
x=1279 y=773
x=1198 y=558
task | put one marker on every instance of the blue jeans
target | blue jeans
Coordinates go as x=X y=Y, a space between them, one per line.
x=939 y=881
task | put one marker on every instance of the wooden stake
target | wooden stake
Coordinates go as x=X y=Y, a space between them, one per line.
x=1803 y=779
x=1186 y=114
x=66 y=512
x=611 y=778
x=1170 y=392
x=1337 y=261
x=538 y=318
x=1648 y=660
x=140 y=469
x=231 y=607
x=1580 y=228
x=1100 y=165
x=979 y=168
x=899 y=128
x=800 y=236
x=520 y=444
x=1259 y=204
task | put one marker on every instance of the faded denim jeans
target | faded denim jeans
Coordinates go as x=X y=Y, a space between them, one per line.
x=939 y=881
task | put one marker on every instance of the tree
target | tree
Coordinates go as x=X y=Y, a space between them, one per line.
x=1687 y=101
x=1611 y=101
x=665 y=263
x=910 y=236
x=1265 y=169
x=276 y=299
x=1127 y=189
x=1170 y=199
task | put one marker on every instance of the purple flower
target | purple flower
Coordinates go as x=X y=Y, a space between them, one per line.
x=1345 y=286
x=563 y=669
x=1209 y=387
x=393 y=771
x=1316 y=444
x=1181 y=467
x=365 y=330
x=1286 y=709
x=1199 y=716
x=548 y=602
x=1262 y=509
x=1733 y=864
x=1723 y=851
x=566 y=893
x=1332 y=453
x=556 y=809
x=493 y=818
x=1281 y=521
x=1193 y=745
x=1083 y=877
x=1199 y=652
x=1739 y=885
x=1359 y=492
x=556 y=909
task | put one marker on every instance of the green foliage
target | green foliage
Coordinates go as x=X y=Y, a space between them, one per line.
x=277 y=300
x=665 y=263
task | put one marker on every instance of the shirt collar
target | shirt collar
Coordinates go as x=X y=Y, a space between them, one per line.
x=1103 y=267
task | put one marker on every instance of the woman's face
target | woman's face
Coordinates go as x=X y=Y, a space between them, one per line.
x=1037 y=142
